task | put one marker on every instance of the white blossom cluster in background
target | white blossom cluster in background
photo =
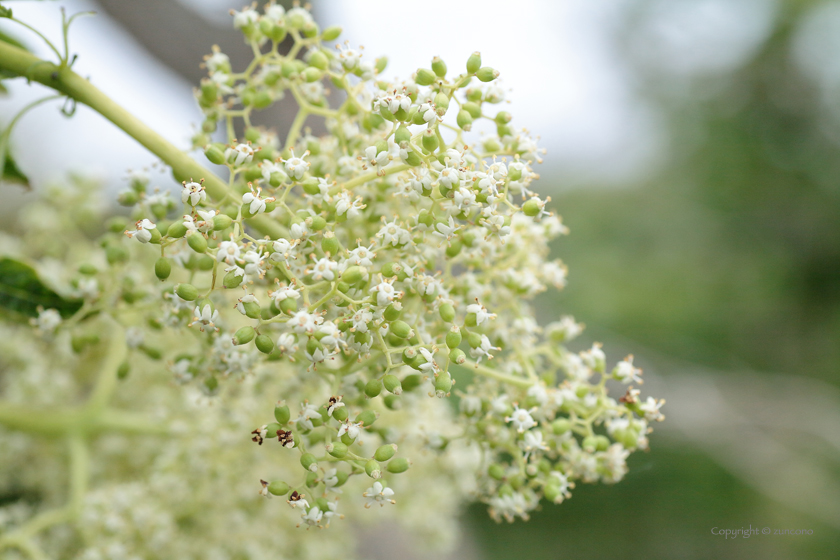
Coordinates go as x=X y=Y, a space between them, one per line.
x=372 y=285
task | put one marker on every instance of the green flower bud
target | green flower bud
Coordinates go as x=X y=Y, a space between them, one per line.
x=176 y=230
x=438 y=67
x=231 y=280
x=474 y=62
x=222 y=221
x=487 y=74
x=278 y=488
x=551 y=491
x=474 y=339
x=312 y=74
x=373 y=388
x=128 y=198
x=402 y=134
x=353 y=274
x=474 y=109
x=282 y=413
x=288 y=306
x=367 y=417
x=187 y=292
x=337 y=449
x=464 y=120
x=531 y=207
x=155 y=236
x=430 y=140
x=312 y=479
x=385 y=452
x=398 y=465
x=454 y=247
x=561 y=426
x=602 y=442
x=252 y=309
x=443 y=384
x=590 y=443
x=402 y=329
x=392 y=402
x=331 y=33
x=329 y=244
x=392 y=384
x=453 y=337
x=244 y=335
x=373 y=469
x=124 y=369
x=308 y=462
x=503 y=117
x=496 y=471
x=457 y=356
x=411 y=382
x=413 y=159
x=424 y=77
x=197 y=242
x=264 y=344
x=163 y=268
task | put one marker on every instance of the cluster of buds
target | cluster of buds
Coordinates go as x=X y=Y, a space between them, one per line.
x=387 y=260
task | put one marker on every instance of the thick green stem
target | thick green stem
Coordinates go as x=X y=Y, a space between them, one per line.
x=64 y=80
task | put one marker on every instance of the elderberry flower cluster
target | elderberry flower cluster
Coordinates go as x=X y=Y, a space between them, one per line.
x=368 y=268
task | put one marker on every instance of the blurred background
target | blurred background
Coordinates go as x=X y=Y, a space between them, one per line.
x=693 y=150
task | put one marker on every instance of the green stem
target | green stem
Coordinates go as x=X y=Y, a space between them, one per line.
x=64 y=80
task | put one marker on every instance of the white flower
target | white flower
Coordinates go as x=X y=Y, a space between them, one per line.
x=533 y=441
x=430 y=365
x=245 y=18
x=651 y=409
x=331 y=481
x=594 y=357
x=228 y=252
x=296 y=166
x=481 y=313
x=206 y=315
x=446 y=231
x=470 y=404
x=483 y=349
x=257 y=204
x=313 y=516
x=349 y=58
x=352 y=430
x=142 y=232
x=307 y=413
x=282 y=250
x=283 y=293
x=392 y=234
x=305 y=322
x=239 y=154
x=324 y=269
x=509 y=506
x=362 y=256
x=249 y=298
x=286 y=343
x=134 y=337
x=193 y=193
x=539 y=393
x=565 y=329
x=345 y=204
x=378 y=494
x=385 y=293
x=626 y=372
x=521 y=419
x=47 y=321
x=360 y=320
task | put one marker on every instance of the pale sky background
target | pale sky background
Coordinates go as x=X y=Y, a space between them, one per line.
x=561 y=58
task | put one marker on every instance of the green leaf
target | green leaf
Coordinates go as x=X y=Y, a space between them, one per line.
x=12 y=173
x=22 y=292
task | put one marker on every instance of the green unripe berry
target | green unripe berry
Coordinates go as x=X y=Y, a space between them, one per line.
x=486 y=74
x=430 y=140
x=222 y=221
x=398 y=465
x=367 y=417
x=177 y=230
x=424 y=77
x=252 y=309
x=308 y=462
x=331 y=33
x=401 y=329
x=340 y=414
x=473 y=108
x=464 y=120
x=402 y=134
x=411 y=382
x=231 y=280
x=438 y=67
x=551 y=491
x=288 y=306
x=457 y=356
x=474 y=339
x=443 y=384
x=123 y=370
x=264 y=344
x=353 y=274
x=531 y=207
x=312 y=74
x=319 y=60
x=373 y=470
x=561 y=426
x=163 y=268
x=329 y=244
x=187 y=292
x=373 y=388
x=337 y=449
x=116 y=254
x=278 y=488
x=496 y=471
x=393 y=311
x=197 y=242
x=244 y=335
x=282 y=414
x=385 y=452
x=471 y=320
x=503 y=117
x=453 y=337
x=474 y=62
x=413 y=159
x=128 y=198
x=392 y=384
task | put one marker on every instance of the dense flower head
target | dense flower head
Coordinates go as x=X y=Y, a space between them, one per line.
x=365 y=276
